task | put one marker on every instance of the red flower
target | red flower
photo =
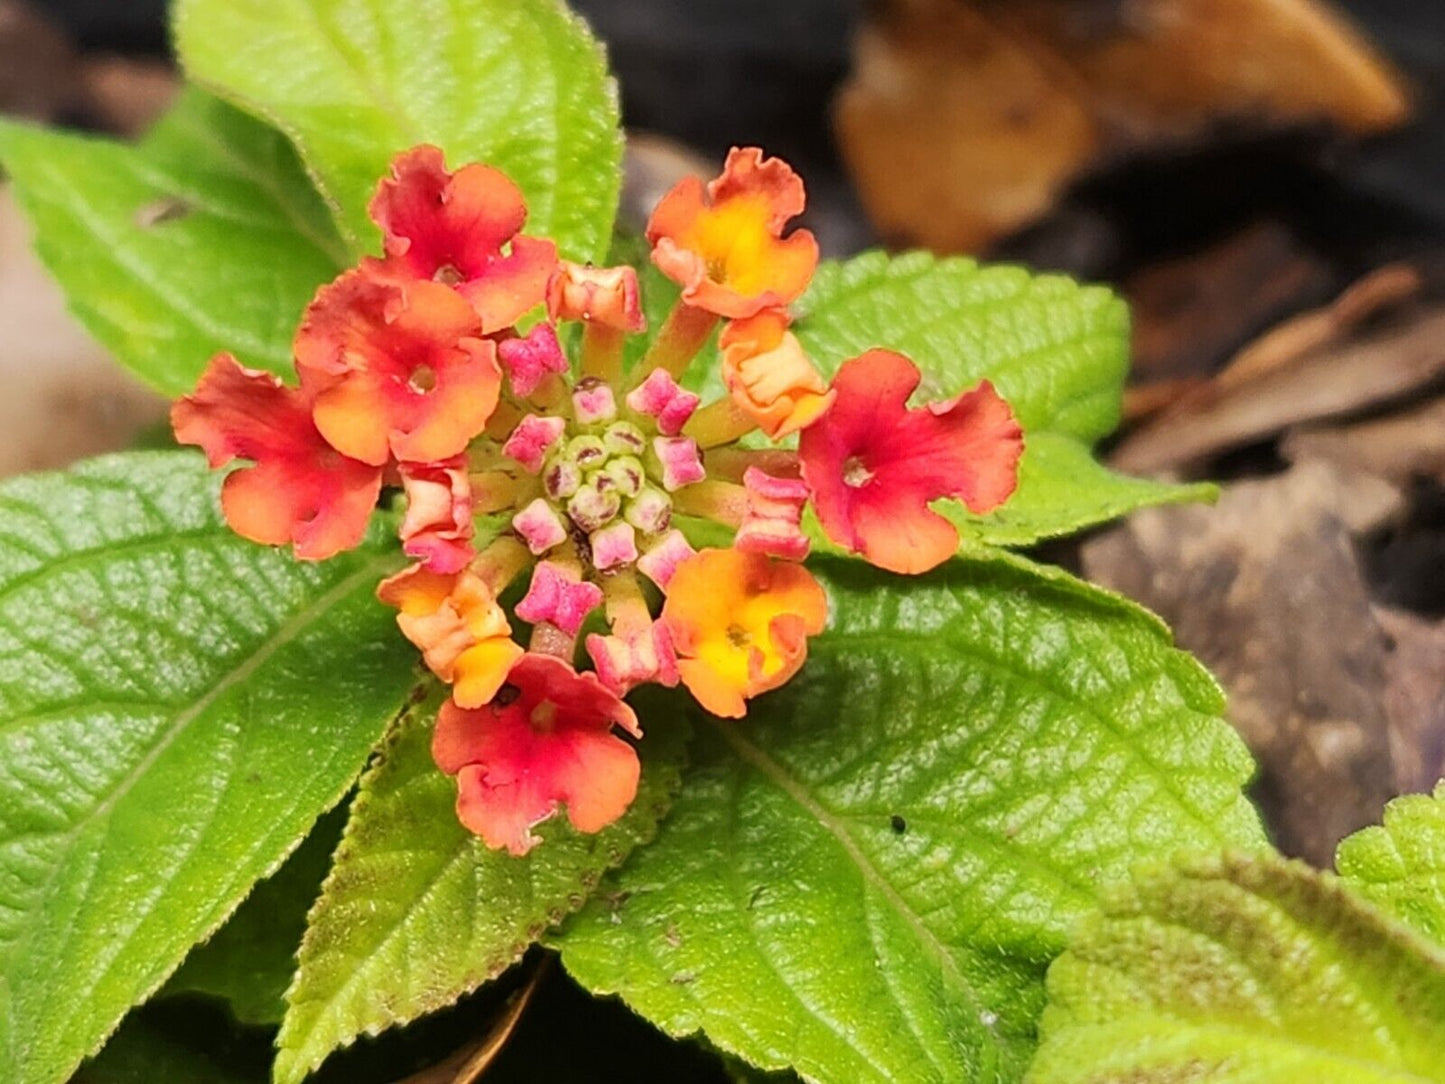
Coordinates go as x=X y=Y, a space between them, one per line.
x=453 y=228
x=725 y=245
x=546 y=738
x=300 y=490
x=873 y=465
x=396 y=369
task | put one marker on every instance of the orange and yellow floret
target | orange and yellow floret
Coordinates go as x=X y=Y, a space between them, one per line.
x=438 y=368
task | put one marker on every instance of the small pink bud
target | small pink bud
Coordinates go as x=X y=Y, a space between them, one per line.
x=593 y=401
x=529 y=360
x=650 y=511
x=540 y=526
x=624 y=662
x=661 y=397
x=772 y=524
x=532 y=439
x=681 y=464
x=558 y=596
x=661 y=560
x=614 y=545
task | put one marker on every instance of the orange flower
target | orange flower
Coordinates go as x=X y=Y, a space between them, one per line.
x=768 y=375
x=740 y=623
x=548 y=740
x=724 y=244
x=461 y=631
x=607 y=296
x=460 y=229
x=300 y=489
x=396 y=369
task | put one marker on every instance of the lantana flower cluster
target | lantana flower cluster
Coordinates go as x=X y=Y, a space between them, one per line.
x=439 y=368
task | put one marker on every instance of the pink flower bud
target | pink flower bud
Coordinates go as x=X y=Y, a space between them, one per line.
x=661 y=397
x=529 y=360
x=558 y=596
x=661 y=560
x=540 y=526
x=681 y=464
x=531 y=440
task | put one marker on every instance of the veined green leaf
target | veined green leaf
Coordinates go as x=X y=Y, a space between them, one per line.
x=1056 y=350
x=205 y=237
x=417 y=911
x=1243 y=970
x=1063 y=489
x=177 y=706
x=1400 y=865
x=519 y=84
x=866 y=879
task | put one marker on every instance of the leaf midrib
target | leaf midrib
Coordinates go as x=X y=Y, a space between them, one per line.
x=288 y=632
x=776 y=774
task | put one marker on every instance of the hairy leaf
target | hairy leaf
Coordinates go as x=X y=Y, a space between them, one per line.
x=519 y=84
x=1057 y=351
x=1400 y=865
x=177 y=706
x=1062 y=489
x=417 y=911
x=867 y=878
x=1243 y=971
x=205 y=237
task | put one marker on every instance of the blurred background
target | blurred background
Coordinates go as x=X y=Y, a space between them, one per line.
x=1264 y=180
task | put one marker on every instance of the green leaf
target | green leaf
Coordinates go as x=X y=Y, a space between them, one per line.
x=417 y=911
x=1400 y=865
x=1057 y=351
x=205 y=237
x=177 y=706
x=251 y=960
x=1063 y=489
x=1243 y=971
x=867 y=878
x=519 y=84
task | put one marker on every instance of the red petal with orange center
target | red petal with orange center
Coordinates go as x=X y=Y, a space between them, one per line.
x=300 y=490
x=873 y=465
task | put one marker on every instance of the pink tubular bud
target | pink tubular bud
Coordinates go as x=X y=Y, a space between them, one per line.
x=437 y=528
x=531 y=359
x=540 y=526
x=681 y=464
x=772 y=523
x=661 y=397
x=661 y=560
x=614 y=545
x=532 y=439
x=625 y=661
x=593 y=401
x=558 y=596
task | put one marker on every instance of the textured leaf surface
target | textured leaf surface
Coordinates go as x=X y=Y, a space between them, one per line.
x=1400 y=865
x=177 y=706
x=1063 y=489
x=1057 y=351
x=1243 y=971
x=519 y=84
x=251 y=960
x=208 y=236
x=417 y=911
x=867 y=878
